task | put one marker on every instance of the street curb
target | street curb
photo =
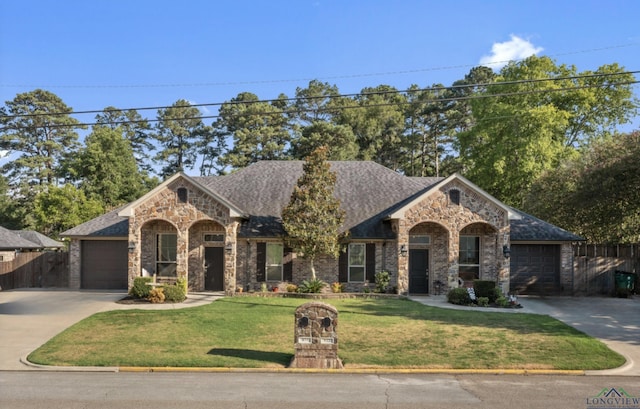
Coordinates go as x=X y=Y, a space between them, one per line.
x=359 y=371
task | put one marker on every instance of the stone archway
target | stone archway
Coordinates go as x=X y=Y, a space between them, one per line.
x=206 y=263
x=428 y=258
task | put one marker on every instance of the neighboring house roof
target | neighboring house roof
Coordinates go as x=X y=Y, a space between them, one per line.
x=9 y=240
x=39 y=239
x=530 y=228
x=368 y=193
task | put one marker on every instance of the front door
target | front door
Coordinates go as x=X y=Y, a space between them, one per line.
x=419 y=271
x=214 y=268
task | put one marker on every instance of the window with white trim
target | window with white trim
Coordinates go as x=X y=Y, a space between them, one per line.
x=167 y=254
x=469 y=258
x=357 y=259
x=273 y=263
x=217 y=238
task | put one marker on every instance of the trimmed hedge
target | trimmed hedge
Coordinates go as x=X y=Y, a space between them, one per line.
x=485 y=288
x=458 y=296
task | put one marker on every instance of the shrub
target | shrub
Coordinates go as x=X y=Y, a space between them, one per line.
x=182 y=282
x=458 y=296
x=382 y=281
x=140 y=288
x=336 y=287
x=156 y=296
x=292 y=288
x=502 y=301
x=484 y=288
x=495 y=294
x=174 y=293
x=311 y=286
x=483 y=301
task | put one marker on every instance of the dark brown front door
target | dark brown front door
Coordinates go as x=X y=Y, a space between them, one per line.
x=214 y=268
x=419 y=271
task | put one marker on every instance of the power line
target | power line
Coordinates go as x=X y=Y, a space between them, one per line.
x=325 y=78
x=351 y=95
x=331 y=109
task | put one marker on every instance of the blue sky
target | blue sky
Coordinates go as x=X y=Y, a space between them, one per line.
x=132 y=54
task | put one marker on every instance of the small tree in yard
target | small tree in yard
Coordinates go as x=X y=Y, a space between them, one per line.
x=313 y=217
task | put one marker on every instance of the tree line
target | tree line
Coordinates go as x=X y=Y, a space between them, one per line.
x=517 y=133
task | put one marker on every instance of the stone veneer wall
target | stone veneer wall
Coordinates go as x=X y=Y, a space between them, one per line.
x=473 y=209
x=165 y=205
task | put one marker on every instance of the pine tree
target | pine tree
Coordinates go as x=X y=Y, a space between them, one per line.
x=313 y=217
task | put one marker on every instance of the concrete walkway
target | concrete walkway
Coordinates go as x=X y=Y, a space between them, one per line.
x=615 y=321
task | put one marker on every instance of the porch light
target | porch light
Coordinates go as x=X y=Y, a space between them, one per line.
x=403 y=250
x=228 y=247
x=132 y=246
x=506 y=251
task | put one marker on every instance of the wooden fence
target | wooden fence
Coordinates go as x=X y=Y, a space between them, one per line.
x=35 y=269
x=595 y=265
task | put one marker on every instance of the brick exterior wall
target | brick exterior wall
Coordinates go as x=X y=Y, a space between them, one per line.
x=74 y=264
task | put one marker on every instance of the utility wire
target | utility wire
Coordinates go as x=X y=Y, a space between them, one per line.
x=336 y=77
x=323 y=110
x=322 y=97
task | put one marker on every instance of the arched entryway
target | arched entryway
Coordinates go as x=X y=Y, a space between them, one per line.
x=427 y=258
x=159 y=255
x=206 y=256
x=478 y=256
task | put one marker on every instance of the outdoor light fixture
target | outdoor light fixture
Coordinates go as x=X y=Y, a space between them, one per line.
x=403 y=250
x=132 y=247
x=228 y=247
x=506 y=251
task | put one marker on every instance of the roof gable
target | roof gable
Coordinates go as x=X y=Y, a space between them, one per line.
x=399 y=212
x=234 y=210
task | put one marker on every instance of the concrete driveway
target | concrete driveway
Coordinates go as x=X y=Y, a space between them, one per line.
x=615 y=321
x=31 y=317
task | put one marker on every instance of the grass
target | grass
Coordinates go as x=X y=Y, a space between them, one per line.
x=255 y=332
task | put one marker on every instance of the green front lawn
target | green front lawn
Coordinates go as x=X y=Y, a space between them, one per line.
x=255 y=332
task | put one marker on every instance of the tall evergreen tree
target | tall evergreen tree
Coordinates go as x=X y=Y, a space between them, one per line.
x=178 y=131
x=313 y=217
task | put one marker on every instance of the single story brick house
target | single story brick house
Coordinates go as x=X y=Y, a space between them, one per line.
x=225 y=232
x=18 y=241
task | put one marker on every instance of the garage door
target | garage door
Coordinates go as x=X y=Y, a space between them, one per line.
x=104 y=265
x=535 y=269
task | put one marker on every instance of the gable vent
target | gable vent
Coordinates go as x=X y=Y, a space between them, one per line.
x=183 y=194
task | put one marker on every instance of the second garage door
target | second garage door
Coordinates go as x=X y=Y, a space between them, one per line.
x=535 y=269
x=104 y=265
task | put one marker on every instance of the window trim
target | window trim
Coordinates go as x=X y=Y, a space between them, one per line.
x=363 y=266
x=267 y=265
x=477 y=265
x=159 y=261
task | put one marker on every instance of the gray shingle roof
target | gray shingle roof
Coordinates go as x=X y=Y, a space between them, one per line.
x=368 y=192
x=9 y=240
x=365 y=191
x=107 y=225
x=530 y=228
x=39 y=239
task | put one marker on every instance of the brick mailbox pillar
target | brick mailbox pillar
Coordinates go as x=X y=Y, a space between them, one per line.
x=316 y=337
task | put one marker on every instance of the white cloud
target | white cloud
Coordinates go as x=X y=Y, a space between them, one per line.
x=203 y=109
x=514 y=49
